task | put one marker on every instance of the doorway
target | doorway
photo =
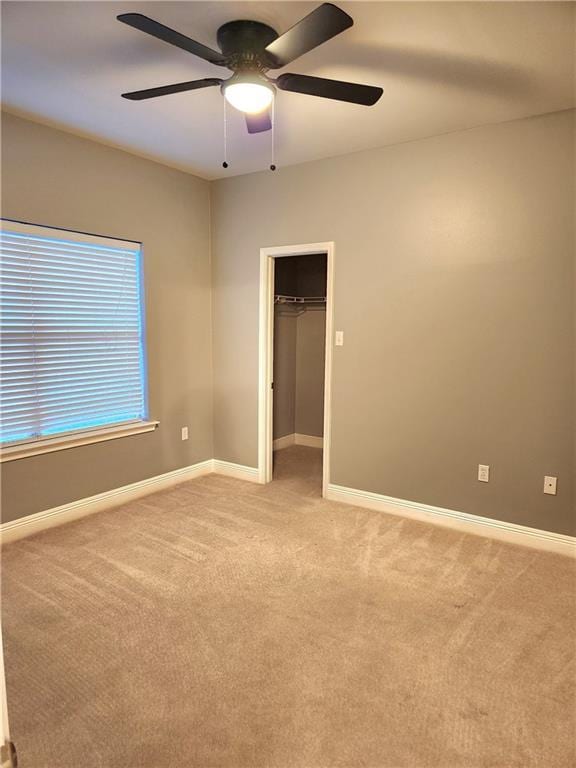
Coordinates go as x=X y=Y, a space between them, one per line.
x=296 y=306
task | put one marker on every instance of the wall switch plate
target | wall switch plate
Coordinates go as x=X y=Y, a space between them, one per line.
x=550 y=485
x=483 y=473
x=339 y=338
x=184 y=433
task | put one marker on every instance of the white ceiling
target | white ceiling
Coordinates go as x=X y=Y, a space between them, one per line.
x=443 y=67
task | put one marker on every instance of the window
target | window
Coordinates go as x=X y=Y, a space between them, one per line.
x=72 y=346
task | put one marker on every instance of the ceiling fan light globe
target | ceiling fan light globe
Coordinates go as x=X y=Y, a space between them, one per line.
x=250 y=98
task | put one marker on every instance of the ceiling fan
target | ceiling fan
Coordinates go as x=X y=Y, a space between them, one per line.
x=249 y=49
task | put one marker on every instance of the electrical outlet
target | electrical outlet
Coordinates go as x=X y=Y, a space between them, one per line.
x=483 y=473
x=184 y=433
x=550 y=485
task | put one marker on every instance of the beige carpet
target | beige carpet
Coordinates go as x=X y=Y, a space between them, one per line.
x=223 y=623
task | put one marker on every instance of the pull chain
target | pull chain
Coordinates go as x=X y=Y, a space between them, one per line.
x=272 y=164
x=225 y=163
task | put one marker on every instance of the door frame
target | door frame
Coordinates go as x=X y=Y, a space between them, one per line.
x=266 y=353
x=7 y=751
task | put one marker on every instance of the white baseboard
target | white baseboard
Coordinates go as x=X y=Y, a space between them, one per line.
x=26 y=526
x=298 y=439
x=462 y=521
x=310 y=440
x=49 y=518
x=283 y=442
x=483 y=526
x=239 y=471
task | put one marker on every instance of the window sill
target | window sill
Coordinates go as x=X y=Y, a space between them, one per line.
x=63 y=442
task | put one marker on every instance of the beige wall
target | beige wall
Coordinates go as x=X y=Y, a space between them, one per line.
x=310 y=354
x=56 y=179
x=299 y=351
x=454 y=287
x=285 y=334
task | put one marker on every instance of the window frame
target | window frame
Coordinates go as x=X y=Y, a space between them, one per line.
x=64 y=440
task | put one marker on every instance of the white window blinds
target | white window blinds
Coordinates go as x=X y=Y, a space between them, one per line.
x=72 y=355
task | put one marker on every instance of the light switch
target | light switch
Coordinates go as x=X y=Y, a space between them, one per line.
x=550 y=485
x=483 y=473
x=184 y=433
x=339 y=338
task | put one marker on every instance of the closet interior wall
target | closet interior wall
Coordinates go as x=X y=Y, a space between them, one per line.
x=299 y=346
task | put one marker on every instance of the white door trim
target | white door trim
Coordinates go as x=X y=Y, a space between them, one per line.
x=5 y=760
x=266 y=352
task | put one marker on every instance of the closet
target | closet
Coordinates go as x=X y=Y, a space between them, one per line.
x=299 y=350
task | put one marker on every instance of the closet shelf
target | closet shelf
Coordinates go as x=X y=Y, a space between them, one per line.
x=299 y=300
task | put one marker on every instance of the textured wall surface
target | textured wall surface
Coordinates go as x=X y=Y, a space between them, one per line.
x=299 y=352
x=285 y=330
x=310 y=355
x=56 y=179
x=454 y=287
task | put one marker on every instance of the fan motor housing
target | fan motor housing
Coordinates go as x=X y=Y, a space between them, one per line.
x=243 y=43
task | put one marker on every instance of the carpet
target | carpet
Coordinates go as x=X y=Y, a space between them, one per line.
x=222 y=623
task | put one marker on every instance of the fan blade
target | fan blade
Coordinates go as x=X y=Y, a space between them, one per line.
x=330 y=89
x=154 y=28
x=259 y=123
x=164 y=90
x=321 y=25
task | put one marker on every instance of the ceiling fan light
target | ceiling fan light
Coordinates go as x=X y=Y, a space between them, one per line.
x=249 y=97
